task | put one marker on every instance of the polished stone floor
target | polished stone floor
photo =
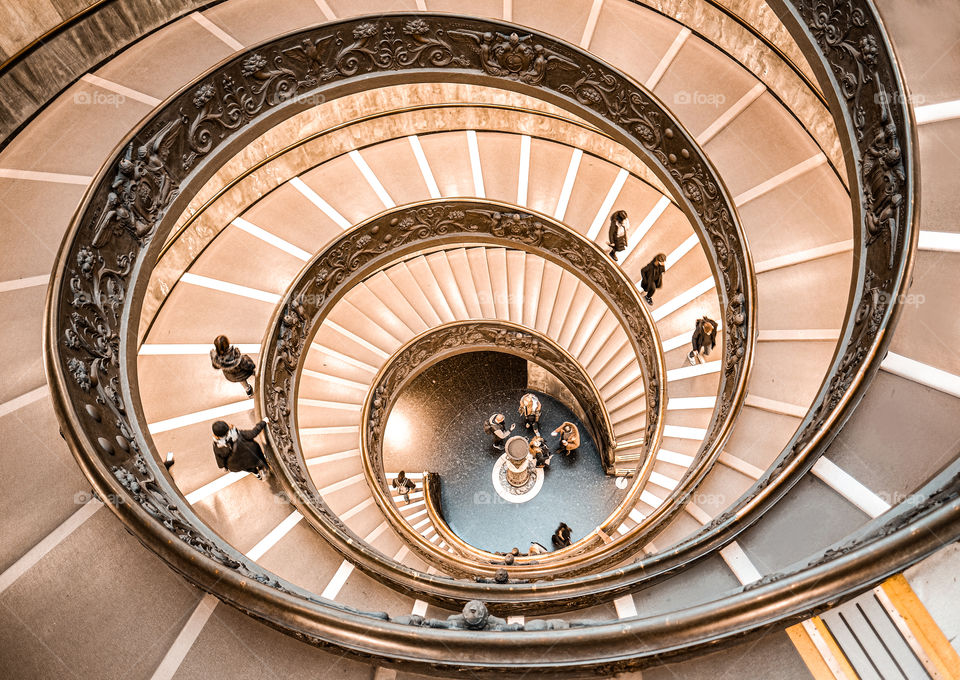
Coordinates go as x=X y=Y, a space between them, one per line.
x=437 y=425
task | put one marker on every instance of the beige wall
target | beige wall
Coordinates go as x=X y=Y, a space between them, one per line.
x=23 y=21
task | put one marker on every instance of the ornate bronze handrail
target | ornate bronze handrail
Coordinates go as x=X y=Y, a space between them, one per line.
x=24 y=54
x=431 y=500
x=353 y=122
x=222 y=109
x=93 y=295
x=197 y=212
x=732 y=388
x=145 y=187
x=372 y=246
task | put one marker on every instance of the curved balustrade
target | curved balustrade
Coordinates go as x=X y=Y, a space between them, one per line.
x=105 y=256
x=71 y=34
x=449 y=340
x=387 y=238
x=193 y=233
x=224 y=106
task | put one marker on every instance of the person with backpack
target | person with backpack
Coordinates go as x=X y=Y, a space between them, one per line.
x=404 y=486
x=237 y=450
x=617 y=233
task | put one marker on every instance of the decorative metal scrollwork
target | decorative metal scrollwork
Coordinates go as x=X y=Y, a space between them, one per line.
x=109 y=247
x=376 y=243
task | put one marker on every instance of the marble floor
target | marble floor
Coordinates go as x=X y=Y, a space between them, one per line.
x=437 y=425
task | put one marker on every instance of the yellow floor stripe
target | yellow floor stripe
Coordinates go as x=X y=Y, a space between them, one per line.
x=820 y=652
x=945 y=660
x=809 y=653
x=840 y=666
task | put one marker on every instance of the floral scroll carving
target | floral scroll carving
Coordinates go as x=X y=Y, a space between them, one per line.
x=115 y=233
x=846 y=33
x=513 y=56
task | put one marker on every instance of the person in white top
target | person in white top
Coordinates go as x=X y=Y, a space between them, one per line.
x=530 y=411
x=617 y=236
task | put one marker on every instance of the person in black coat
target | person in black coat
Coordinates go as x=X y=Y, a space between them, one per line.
x=236 y=367
x=651 y=276
x=704 y=339
x=561 y=537
x=404 y=486
x=237 y=450
x=617 y=234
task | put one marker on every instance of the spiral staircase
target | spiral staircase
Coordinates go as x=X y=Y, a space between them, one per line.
x=334 y=185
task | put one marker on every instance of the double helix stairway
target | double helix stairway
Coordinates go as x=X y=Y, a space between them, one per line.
x=64 y=557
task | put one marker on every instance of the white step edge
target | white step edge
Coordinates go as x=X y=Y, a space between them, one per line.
x=200 y=416
x=939 y=241
x=921 y=373
x=844 y=484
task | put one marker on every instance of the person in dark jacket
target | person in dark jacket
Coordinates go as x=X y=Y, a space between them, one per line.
x=617 y=234
x=561 y=537
x=237 y=450
x=704 y=339
x=651 y=276
x=404 y=485
x=236 y=367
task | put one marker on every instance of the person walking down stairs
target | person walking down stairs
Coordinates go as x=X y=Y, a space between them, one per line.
x=236 y=367
x=704 y=340
x=617 y=235
x=651 y=276
x=404 y=486
x=237 y=450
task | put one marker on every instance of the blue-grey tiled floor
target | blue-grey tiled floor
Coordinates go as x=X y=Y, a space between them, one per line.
x=445 y=408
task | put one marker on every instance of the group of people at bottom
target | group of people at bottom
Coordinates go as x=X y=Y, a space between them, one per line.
x=529 y=410
x=561 y=539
